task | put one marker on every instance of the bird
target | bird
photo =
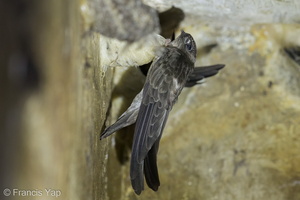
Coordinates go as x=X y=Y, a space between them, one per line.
x=172 y=69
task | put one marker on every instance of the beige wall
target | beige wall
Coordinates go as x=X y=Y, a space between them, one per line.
x=234 y=137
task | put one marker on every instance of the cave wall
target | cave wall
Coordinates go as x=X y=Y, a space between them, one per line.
x=62 y=83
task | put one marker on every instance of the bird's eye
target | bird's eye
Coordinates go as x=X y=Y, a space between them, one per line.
x=188 y=44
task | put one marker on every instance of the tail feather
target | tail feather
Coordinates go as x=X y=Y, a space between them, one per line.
x=150 y=168
x=137 y=176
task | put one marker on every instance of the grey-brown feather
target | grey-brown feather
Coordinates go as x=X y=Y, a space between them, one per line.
x=127 y=118
x=166 y=78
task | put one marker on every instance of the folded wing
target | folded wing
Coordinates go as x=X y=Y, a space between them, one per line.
x=164 y=83
x=127 y=118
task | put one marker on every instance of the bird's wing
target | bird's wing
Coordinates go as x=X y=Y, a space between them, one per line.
x=142 y=146
x=165 y=80
x=130 y=115
x=127 y=118
x=202 y=72
x=150 y=166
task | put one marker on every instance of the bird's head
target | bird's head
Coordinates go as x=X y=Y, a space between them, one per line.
x=186 y=43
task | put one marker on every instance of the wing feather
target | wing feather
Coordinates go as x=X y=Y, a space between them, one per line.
x=126 y=119
x=202 y=72
x=165 y=80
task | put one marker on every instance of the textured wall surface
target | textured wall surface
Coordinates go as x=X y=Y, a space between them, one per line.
x=234 y=137
x=54 y=101
x=236 y=134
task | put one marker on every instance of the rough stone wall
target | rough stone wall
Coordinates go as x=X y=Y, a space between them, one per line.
x=54 y=102
x=234 y=137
